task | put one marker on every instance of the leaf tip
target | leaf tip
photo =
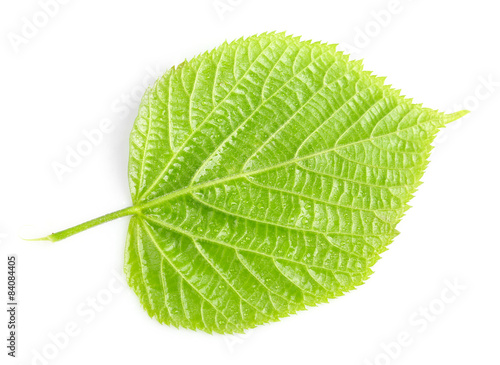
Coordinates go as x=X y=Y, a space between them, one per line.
x=448 y=118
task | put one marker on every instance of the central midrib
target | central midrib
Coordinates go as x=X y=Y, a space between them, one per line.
x=190 y=189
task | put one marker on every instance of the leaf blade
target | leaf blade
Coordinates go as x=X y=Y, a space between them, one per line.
x=269 y=175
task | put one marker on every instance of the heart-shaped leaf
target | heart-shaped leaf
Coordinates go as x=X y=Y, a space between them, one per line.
x=266 y=176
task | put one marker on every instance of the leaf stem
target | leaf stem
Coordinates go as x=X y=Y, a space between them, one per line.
x=86 y=225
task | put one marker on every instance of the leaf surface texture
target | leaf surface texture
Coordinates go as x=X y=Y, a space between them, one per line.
x=268 y=174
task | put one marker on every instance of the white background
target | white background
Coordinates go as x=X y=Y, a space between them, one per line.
x=91 y=61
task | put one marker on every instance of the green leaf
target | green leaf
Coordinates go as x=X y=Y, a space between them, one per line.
x=266 y=176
